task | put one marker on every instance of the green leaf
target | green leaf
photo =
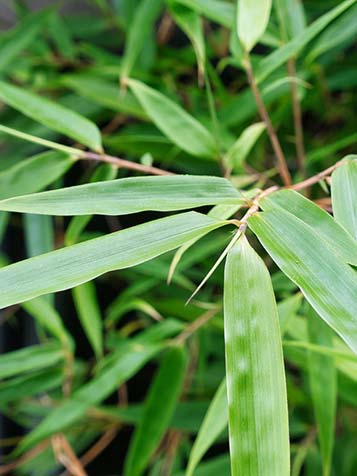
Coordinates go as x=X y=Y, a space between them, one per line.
x=252 y=20
x=21 y=36
x=48 y=318
x=240 y=150
x=141 y=25
x=342 y=30
x=287 y=309
x=26 y=386
x=129 y=361
x=39 y=234
x=323 y=385
x=344 y=196
x=61 y=36
x=130 y=195
x=218 y=11
x=158 y=410
x=43 y=169
x=52 y=115
x=77 y=264
x=291 y=16
x=29 y=359
x=78 y=223
x=322 y=222
x=215 y=421
x=257 y=402
x=329 y=285
x=38 y=140
x=179 y=126
x=190 y=22
x=88 y=310
x=104 y=93
x=271 y=62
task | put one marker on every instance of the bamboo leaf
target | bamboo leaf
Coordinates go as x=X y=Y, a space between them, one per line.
x=27 y=385
x=329 y=285
x=158 y=410
x=190 y=22
x=215 y=421
x=179 y=126
x=78 y=223
x=88 y=310
x=323 y=385
x=335 y=235
x=292 y=16
x=257 y=402
x=218 y=11
x=30 y=358
x=43 y=169
x=130 y=195
x=129 y=361
x=252 y=20
x=104 y=93
x=77 y=264
x=344 y=196
x=21 y=36
x=240 y=150
x=38 y=140
x=273 y=61
x=48 y=317
x=61 y=36
x=52 y=115
x=141 y=25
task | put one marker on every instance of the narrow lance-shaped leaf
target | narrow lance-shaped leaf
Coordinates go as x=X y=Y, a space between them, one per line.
x=177 y=124
x=144 y=18
x=158 y=410
x=215 y=421
x=43 y=169
x=88 y=310
x=257 y=401
x=291 y=16
x=252 y=20
x=21 y=36
x=39 y=237
x=239 y=151
x=105 y=93
x=344 y=196
x=130 y=195
x=273 y=61
x=77 y=264
x=29 y=359
x=78 y=223
x=191 y=24
x=323 y=385
x=52 y=114
x=129 y=361
x=218 y=11
x=328 y=284
x=322 y=222
x=47 y=316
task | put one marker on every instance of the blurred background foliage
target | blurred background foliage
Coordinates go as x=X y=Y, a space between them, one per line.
x=76 y=53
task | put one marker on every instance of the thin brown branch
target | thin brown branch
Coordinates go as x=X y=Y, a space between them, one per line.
x=195 y=325
x=8 y=468
x=282 y=166
x=299 y=133
x=66 y=456
x=316 y=178
x=123 y=164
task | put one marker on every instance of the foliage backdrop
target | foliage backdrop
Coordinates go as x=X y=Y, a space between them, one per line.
x=116 y=122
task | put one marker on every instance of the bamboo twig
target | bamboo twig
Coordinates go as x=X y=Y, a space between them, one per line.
x=282 y=166
x=123 y=164
x=297 y=114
